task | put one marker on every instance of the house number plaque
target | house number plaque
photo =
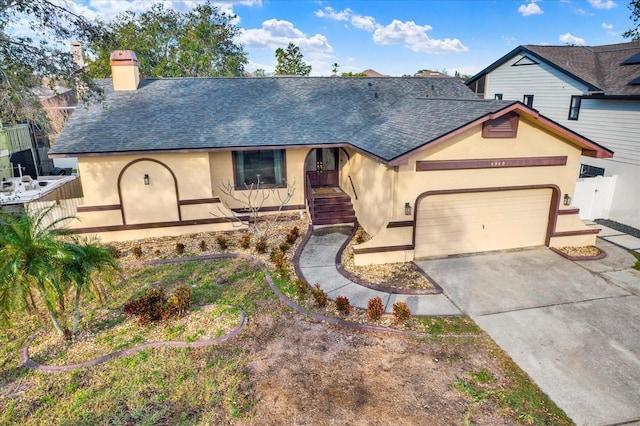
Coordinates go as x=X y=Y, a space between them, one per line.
x=490 y=163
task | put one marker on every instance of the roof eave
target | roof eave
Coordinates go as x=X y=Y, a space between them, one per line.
x=588 y=147
x=505 y=58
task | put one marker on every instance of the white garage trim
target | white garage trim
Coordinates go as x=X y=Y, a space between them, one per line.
x=483 y=219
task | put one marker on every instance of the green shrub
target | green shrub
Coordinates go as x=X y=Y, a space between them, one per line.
x=319 y=296
x=342 y=305
x=179 y=248
x=245 y=241
x=223 y=242
x=293 y=235
x=137 y=252
x=178 y=302
x=375 y=309
x=284 y=246
x=301 y=289
x=113 y=251
x=261 y=245
x=401 y=312
x=203 y=245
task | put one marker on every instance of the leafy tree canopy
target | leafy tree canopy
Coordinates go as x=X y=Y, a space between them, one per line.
x=634 y=33
x=168 y=43
x=353 y=74
x=28 y=61
x=290 y=61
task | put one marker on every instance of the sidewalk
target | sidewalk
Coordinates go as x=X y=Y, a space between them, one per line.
x=616 y=237
x=317 y=264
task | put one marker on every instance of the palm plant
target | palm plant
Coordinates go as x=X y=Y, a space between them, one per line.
x=31 y=256
x=88 y=264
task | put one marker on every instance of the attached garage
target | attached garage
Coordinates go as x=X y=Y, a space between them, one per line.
x=482 y=220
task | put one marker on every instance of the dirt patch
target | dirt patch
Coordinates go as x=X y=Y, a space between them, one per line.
x=315 y=373
x=578 y=252
x=405 y=275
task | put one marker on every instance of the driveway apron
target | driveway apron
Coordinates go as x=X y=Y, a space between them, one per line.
x=574 y=327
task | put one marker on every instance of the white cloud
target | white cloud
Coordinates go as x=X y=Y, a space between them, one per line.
x=367 y=23
x=510 y=41
x=607 y=26
x=330 y=13
x=415 y=38
x=279 y=33
x=602 y=4
x=530 y=9
x=571 y=39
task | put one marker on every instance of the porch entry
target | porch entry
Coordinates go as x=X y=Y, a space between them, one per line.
x=321 y=167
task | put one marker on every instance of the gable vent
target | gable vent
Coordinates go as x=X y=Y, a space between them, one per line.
x=525 y=60
x=505 y=126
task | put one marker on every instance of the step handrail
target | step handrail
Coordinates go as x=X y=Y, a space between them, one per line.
x=355 y=194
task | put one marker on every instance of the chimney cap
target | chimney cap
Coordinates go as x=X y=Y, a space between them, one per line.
x=123 y=57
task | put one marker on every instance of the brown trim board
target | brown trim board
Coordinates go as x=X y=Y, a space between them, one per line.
x=568 y=211
x=103 y=208
x=199 y=201
x=578 y=232
x=490 y=163
x=272 y=208
x=553 y=207
x=400 y=224
x=138 y=226
x=385 y=249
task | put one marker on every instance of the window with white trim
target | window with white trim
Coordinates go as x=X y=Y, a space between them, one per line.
x=264 y=166
x=497 y=96
x=574 y=108
x=528 y=100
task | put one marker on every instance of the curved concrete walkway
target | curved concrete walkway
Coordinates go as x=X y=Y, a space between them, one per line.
x=317 y=264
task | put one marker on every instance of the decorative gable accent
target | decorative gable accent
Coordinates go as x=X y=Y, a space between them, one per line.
x=525 y=60
x=505 y=126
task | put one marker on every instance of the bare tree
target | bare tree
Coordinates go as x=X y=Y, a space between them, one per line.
x=252 y=199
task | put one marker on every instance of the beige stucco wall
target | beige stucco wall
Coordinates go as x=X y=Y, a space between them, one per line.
x=172 y=178
x=532 y=141
x=221 y=173
x=374 y=184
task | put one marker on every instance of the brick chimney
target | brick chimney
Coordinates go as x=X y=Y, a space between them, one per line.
x=77 y=53
x=124 y=70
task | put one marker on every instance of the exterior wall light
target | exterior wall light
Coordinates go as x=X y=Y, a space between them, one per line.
x=146 y=179
x=567 y=200
x=407 y=209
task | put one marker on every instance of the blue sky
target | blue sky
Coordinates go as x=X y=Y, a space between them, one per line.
x=401 y=37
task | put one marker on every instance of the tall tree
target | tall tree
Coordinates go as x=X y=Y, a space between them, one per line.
x=198 y=43
x=290 y=61
x=634 y=33
x=27 y=61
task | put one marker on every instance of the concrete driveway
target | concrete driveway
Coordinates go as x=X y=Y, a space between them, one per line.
x=574 y=327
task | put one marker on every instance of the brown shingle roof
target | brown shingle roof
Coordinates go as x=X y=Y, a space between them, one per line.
x=599 y=66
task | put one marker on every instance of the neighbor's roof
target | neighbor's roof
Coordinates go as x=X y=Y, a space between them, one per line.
x=385 y=117
x=600 y=68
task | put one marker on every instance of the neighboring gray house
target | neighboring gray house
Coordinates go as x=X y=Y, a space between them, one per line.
x=593 y=90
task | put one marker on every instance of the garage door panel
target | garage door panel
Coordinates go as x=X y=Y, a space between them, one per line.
x=474 y=222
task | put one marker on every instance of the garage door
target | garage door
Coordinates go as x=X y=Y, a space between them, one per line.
x=482 y=221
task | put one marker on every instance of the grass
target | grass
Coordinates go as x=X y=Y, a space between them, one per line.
x=518 y=395
x=208 y=385
x=637 y=256
x=170 y=386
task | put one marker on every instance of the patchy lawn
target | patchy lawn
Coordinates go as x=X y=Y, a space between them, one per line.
x=285 y=368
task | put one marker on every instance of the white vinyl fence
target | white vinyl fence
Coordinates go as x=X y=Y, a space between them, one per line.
x=593 y=196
